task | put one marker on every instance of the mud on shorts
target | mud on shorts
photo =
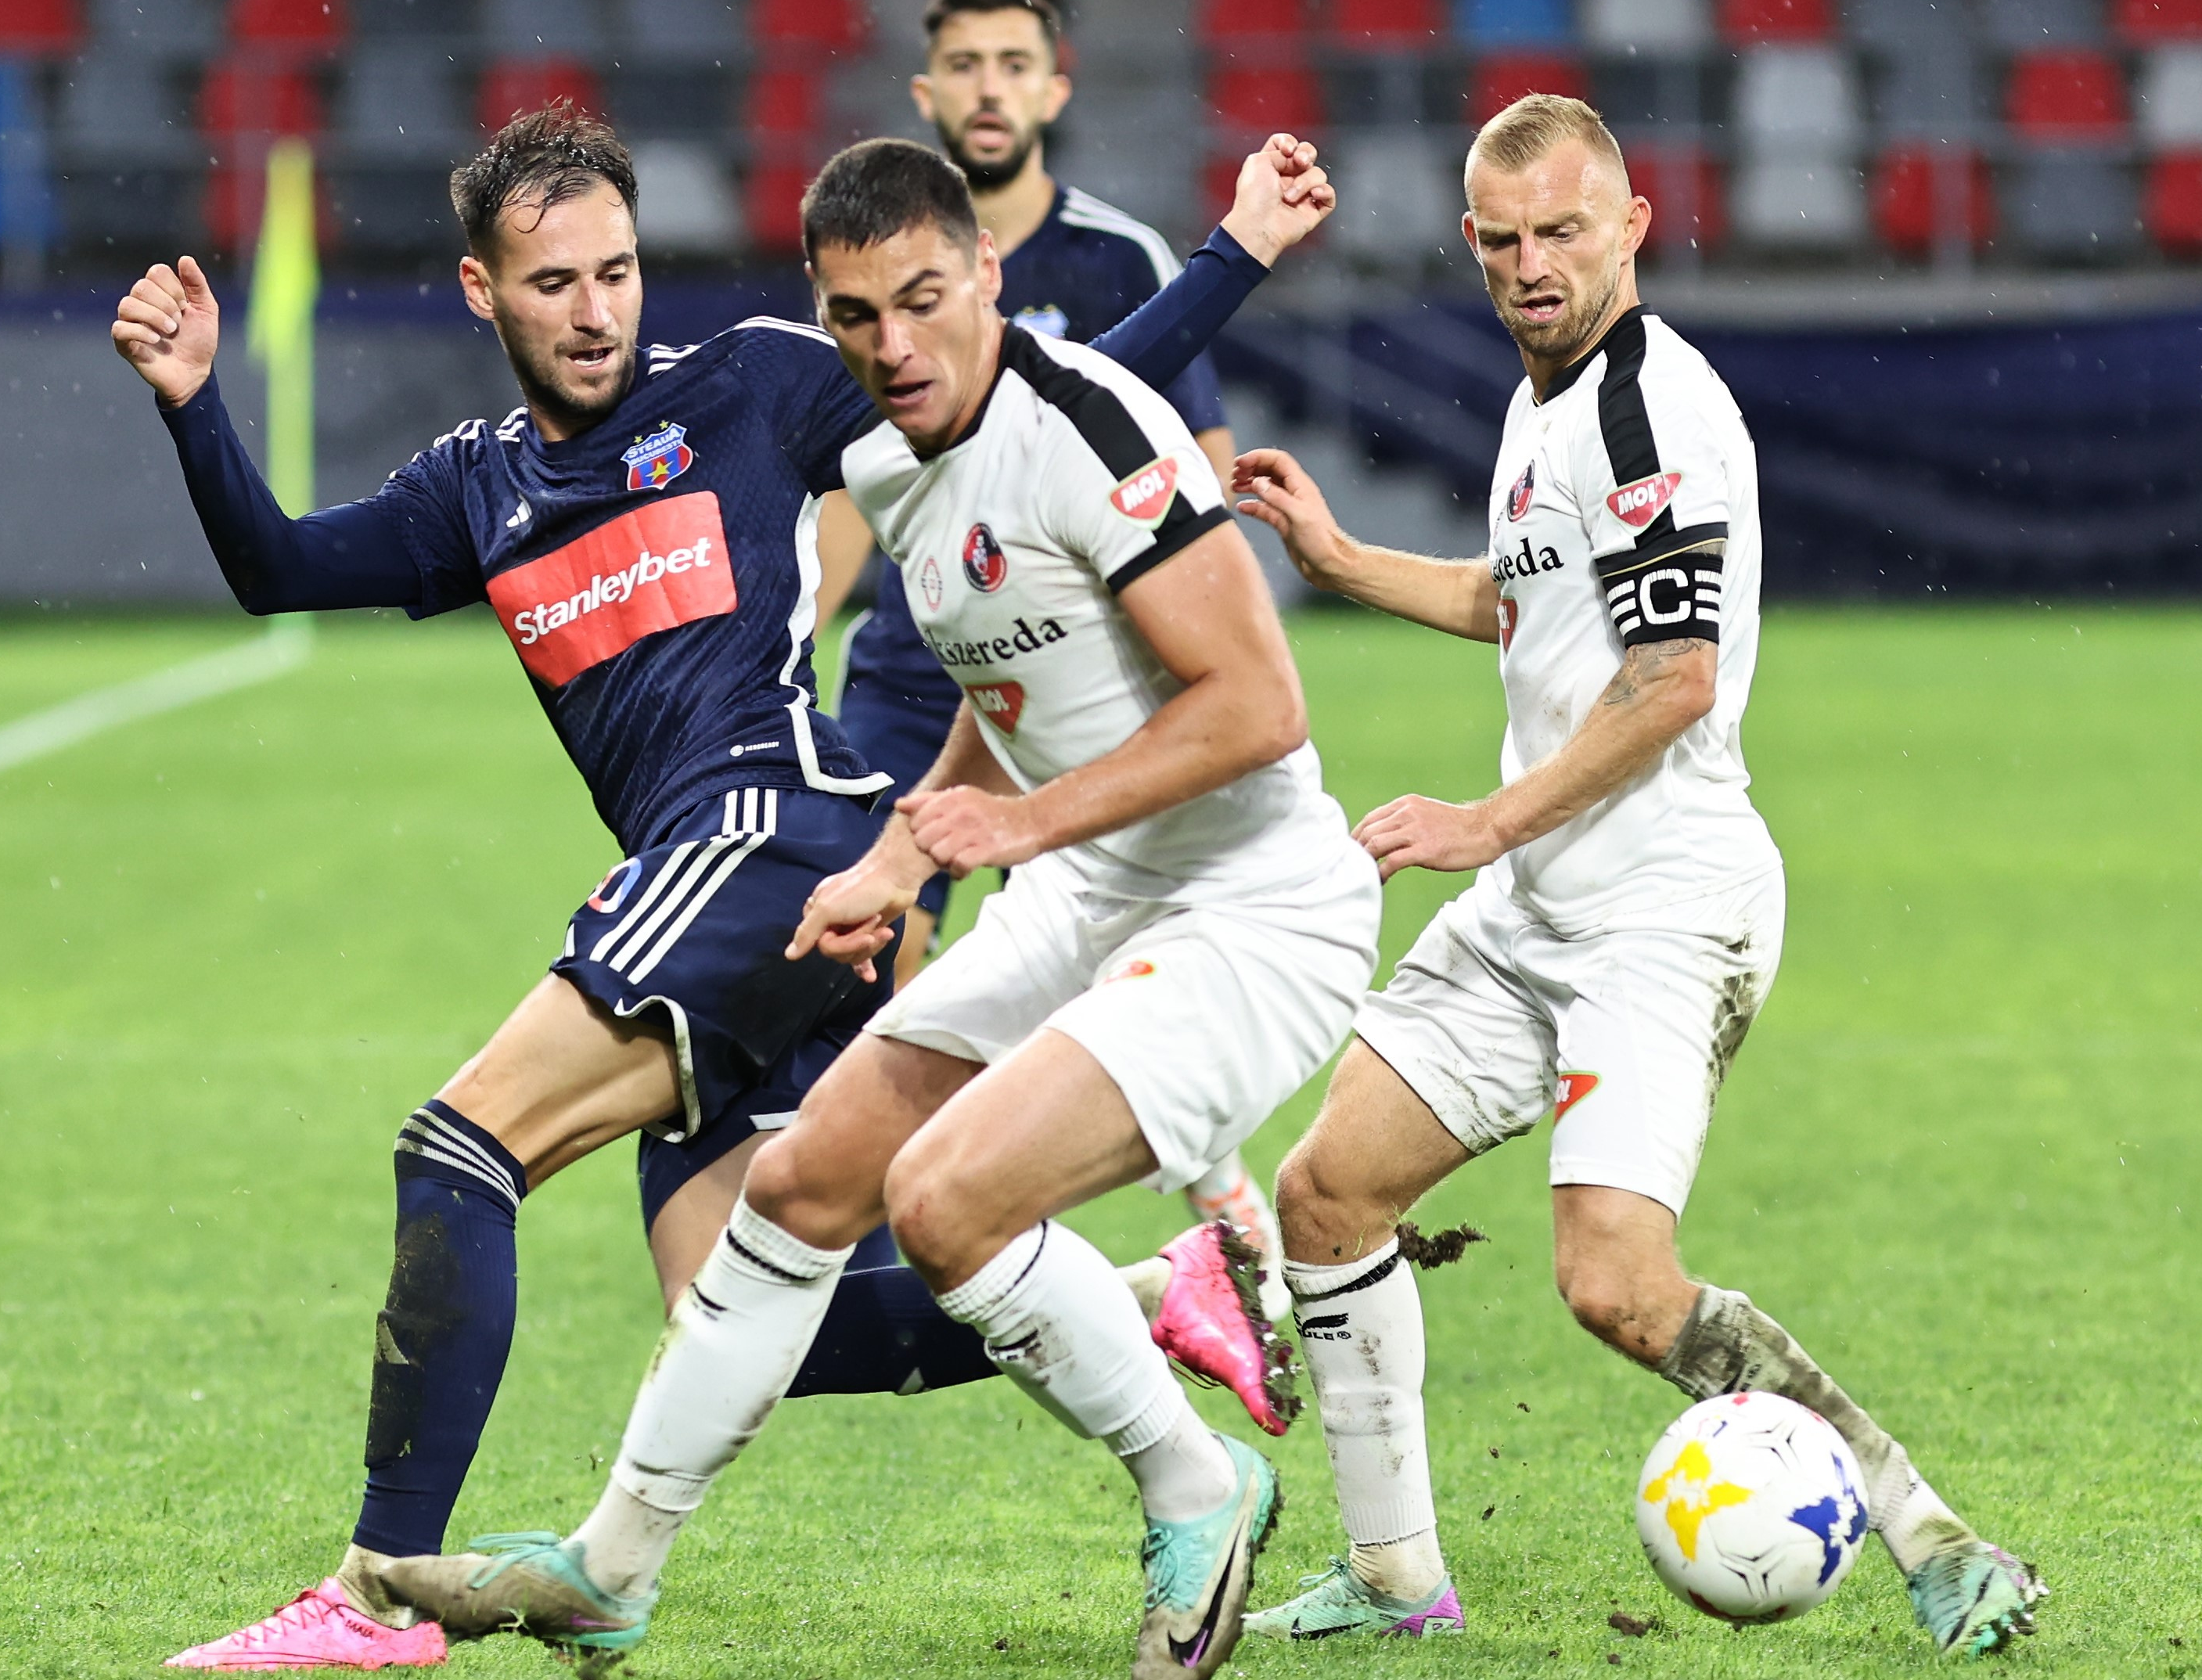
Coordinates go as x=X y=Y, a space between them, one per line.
x=688 y=935
x=1207 y=1016
x=1625 y=1035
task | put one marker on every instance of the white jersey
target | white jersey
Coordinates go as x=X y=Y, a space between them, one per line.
x=1075 y=480
x=1624 y=510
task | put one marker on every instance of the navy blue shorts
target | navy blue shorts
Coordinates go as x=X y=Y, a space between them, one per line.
x=893 y=734
x=688 y=937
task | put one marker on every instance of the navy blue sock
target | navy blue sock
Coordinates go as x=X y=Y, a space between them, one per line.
x=884 y=1333
x=441 y=1339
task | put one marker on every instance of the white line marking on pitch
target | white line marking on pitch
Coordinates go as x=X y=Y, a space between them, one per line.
x=288 y=645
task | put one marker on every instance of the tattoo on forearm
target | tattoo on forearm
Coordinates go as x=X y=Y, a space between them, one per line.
x=1641 y=663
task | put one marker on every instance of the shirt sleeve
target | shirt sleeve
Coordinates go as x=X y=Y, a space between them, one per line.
x=822 y=408
x=1159 y=340
x=1654 y=489
x=425 y=501
x=1196 y=394
x=1125 y=486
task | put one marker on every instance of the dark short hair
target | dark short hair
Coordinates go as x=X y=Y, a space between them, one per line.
x=1049 y=13
x=875 y=189
x=544 y=158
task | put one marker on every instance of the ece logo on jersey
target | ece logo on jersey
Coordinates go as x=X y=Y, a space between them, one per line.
x=984 y=564
x=659 y=459
x=1144 y=497
x=1638 y=504
x=663 y=565
x=1523 y=492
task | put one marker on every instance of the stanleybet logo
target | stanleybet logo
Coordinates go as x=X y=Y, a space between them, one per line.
x=1690 y=1494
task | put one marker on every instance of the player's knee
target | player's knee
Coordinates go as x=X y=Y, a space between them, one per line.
x=1325 y=1208
x=1618 y=1305
x=931 y=1226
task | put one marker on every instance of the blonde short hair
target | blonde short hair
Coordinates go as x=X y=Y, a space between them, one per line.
x=1532 y=126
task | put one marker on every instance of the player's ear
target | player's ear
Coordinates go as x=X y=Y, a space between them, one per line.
x=920 y=95
x=1638 y=226
x=475 y=284
x=986 y=262
x=1058 y=96
x=1468 y=233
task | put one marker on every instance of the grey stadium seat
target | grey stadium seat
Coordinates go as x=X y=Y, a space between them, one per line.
x=164 y=28
x=1934 y=94
x=402 y=99
x=2072 y=206
x=534 y=28
x=1908 y=26
x=2017 y=24
x=416 y=20
x=691 y=31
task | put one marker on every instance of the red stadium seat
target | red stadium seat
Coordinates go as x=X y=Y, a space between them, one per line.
x=244 y=102
x=1234 y=23
x=783 y=113
x=39 y=27
x=1908 y=204
x=1256 y=103
x=820 y=26
x=1684 y=185
x=2171 y=207
x=1501 y=78
x=1388 y=23
x=2067 y=93
x=783 y=103
x=773 y=206
x=2148 y=22
x=510 y=86
x=1777 y=19
x=300 y=24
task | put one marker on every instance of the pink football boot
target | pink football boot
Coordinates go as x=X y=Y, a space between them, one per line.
x=1212 y=1323
x=319 y=1629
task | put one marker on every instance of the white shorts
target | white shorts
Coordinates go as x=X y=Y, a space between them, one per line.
x=1207 y=1016
x=1494 y=1019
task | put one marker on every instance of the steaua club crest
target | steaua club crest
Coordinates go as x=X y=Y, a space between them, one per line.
x=656 y=461
x=928 y=584
x=984 y=562
x=1525 y=487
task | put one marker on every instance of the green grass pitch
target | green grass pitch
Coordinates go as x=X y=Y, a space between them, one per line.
x=1958 y=1158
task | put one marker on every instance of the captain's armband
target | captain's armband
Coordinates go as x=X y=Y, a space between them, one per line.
x=1668 y=588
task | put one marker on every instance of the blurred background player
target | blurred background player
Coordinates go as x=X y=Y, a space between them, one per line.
x=1627 y=917
x=590 y=519
x=1072 y=268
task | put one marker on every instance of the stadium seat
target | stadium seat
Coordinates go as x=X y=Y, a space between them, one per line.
x=171 y=28
x=397 y=209
x=511 y=85
x=1515 y=23
x=2066 y=94
x=295 y=25
x=2172 y=203
x=1919 y=190
x=39 y=28
x=1798 y=100
x=700 y=32
x=1935 y=93
x=116 y=107
x=246 y=102
x=522 y=29
x=1249 y=101
x=2168 y=97
x=1748 y=21
x=1501 y=78
x=2072 y=206
x=1668 y=28
x=2027 y=26
x=687 y=205
x=400 y=99
x=417 y=21
x=1683 y=183
x=1399 y=196
x=772 y=206
x=1899 y=28
x=664 y=98
x=2147 y=22
x=26 y=204
x=1239 y=23
x=1796 y=205
x=1396 y=24
x=824 y=27
x=783 y=114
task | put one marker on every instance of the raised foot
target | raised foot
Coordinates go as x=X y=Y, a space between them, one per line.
x=530 y=1584
x=1974 y=1598
x=1336 y=1602
x=319 y=1629
x=1198 y=1574
x=1212 y=1322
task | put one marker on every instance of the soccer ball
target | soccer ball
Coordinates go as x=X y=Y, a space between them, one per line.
x=1751 y=1508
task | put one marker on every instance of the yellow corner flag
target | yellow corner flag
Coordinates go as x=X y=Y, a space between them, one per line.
x=279 y=322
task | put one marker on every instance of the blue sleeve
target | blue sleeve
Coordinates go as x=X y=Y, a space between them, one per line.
x=1159 y=340
x=352 y=556
x=822 y=409
x=1197 y=396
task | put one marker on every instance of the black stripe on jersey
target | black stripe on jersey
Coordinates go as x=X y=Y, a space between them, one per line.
x=1121 y=443
x=1626 y=423
x=1673 y=592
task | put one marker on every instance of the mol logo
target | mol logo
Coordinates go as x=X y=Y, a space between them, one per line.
x=1638 y=504
x=1001 y=703
x=1145 y=497
x=1573 y=1089
x=1690 y=1494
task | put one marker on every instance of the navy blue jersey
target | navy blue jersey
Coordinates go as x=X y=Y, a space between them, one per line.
x=641 y=569
x=1085 y=269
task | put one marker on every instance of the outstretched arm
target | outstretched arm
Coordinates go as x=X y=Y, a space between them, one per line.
x=1662 y=688
x=167 y=329
x=1283 y=196
x=1459 y=597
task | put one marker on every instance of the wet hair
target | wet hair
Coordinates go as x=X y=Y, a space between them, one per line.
x=1049 y=17
x=876 y=189
x=541 y=158
x=1533 y=124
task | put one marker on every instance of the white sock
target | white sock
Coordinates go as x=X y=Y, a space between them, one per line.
x=729 y=1353
x=1063 y=1326
x=1361 y=1335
